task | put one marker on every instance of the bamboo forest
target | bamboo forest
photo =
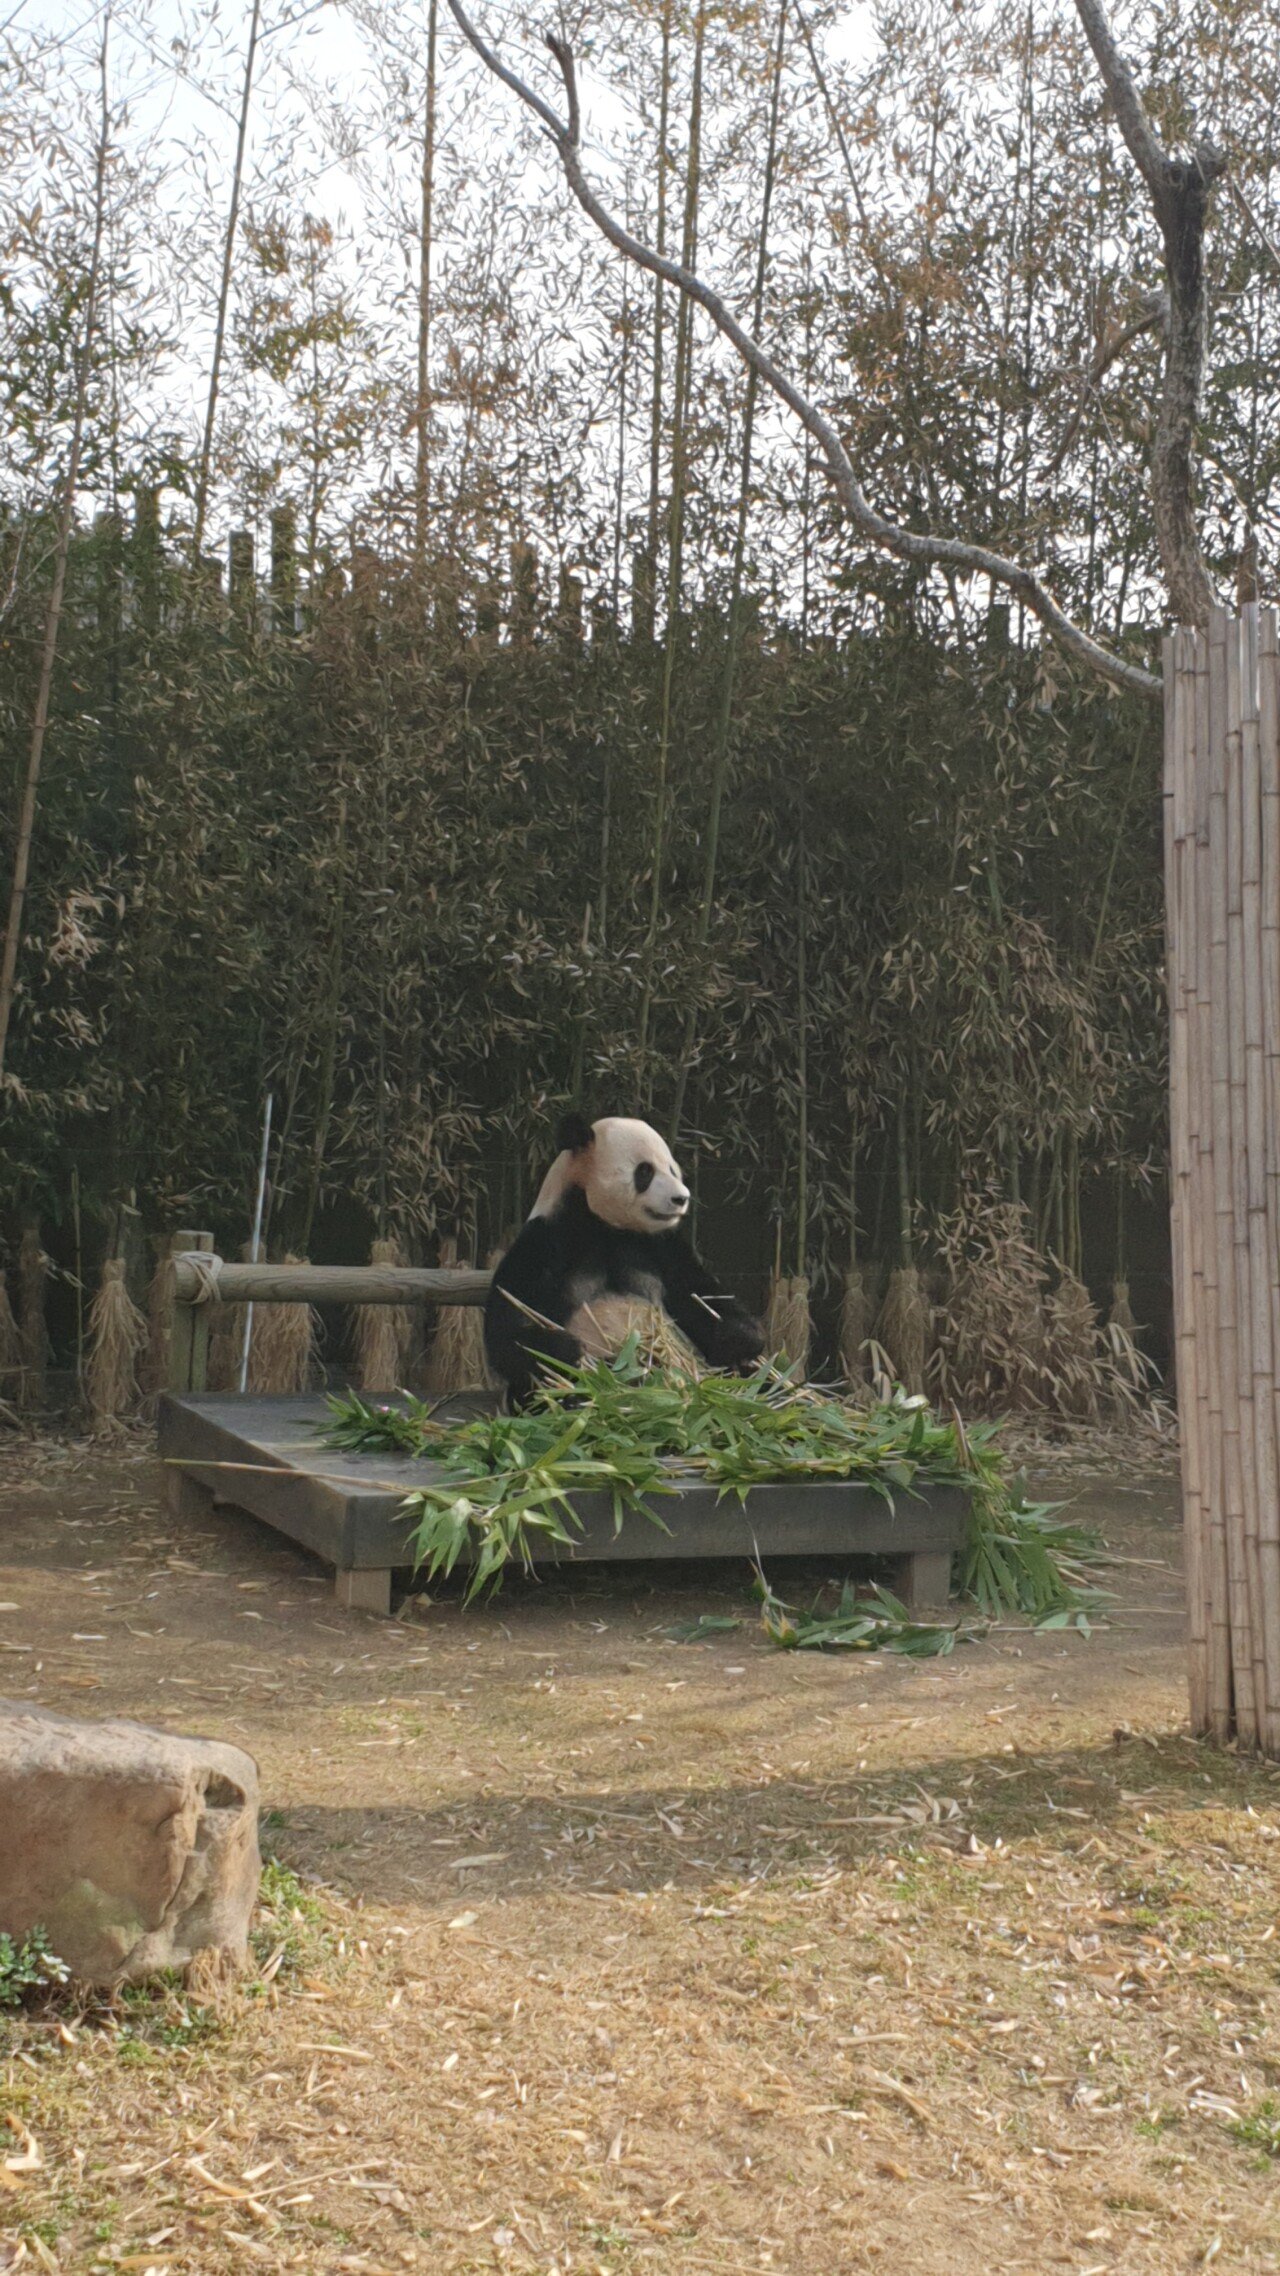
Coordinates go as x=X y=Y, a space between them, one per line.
x=438 y=690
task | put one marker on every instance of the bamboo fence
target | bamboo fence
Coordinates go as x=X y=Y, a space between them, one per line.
x=1222 y=849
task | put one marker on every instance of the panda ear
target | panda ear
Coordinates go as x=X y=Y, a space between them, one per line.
x=575 y=1134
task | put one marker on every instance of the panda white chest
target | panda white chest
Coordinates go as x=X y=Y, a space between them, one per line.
x=588 y=1287
x=602 y=1317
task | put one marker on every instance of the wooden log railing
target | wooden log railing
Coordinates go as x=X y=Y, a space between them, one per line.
x=200 y=1278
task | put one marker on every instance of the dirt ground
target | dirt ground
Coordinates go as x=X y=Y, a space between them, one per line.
x=608 y=1953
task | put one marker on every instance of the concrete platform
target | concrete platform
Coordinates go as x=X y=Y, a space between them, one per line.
x=266 y=1455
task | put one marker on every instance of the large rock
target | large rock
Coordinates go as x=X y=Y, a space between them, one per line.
x=133 y=1849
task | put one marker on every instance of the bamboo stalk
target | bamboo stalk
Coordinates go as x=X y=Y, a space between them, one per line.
x=675 y=545
x=655 y=411
x=33 y=1273
x=1233 y=1014
x=1229 y=1420
x=205 y=462
x=733 y=629
x=1219 y=1687
x=1267 y=1232
x=422 y=395
x=1253 y=1226
x=802 y=1045
x=329 y=1038
x=53 y=611
x=1179 y=659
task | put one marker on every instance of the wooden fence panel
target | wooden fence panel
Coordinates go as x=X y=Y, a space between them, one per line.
x=1222 y=866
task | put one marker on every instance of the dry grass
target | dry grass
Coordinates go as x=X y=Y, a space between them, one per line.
x=1019 y=1333
x=631 y=1956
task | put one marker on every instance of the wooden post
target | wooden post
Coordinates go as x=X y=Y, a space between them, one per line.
x=189 y=1331
x=366 y=1591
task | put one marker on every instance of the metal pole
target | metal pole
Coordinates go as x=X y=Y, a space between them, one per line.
x=257 y=1239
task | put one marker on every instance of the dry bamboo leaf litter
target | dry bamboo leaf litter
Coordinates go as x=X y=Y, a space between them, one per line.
x=748 y=2005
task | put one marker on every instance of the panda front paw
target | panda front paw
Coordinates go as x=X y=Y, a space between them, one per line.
x=737 y=1345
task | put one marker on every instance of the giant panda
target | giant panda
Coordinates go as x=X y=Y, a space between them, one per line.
x=605 y=1231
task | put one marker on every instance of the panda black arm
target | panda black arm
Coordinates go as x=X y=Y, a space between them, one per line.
x=717 y=1325
x=515 y=1345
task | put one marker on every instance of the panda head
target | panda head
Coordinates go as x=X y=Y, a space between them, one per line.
x=624 y=1170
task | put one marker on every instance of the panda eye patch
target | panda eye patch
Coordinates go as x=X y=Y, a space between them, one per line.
x=644 y=1176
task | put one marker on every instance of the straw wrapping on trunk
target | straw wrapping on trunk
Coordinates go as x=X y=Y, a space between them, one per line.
x=284 y=1349
x=117 y=1339
x=857 y=1313
x=902 y=1329
x=380 y=1333
x=455 y=1357
x=788 y=1323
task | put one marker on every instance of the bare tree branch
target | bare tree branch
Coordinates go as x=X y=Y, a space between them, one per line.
x=1134 y=125
x=1180 y=188
x=906 y=545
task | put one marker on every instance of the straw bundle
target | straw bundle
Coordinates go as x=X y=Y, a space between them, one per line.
x=1073 y=1354
x=33 y=1271
x=857 y=1313
x=117 y=1337
x=455 y=1360
x=285 y=1345
x=902 y=1330
x=10 y=1348
x=788 y=1324
x=380 y=1334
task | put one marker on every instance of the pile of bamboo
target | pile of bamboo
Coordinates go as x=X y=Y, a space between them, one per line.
x=1222 y=856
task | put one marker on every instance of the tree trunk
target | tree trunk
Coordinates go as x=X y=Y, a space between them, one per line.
x=1179 y=188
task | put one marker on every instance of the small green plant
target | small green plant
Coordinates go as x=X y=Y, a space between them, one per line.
x=1151 y=2129
x=1261 y=2129
x=159 y=2016
x=29 y=1968
x=635 y=1433
x=291 y=1921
